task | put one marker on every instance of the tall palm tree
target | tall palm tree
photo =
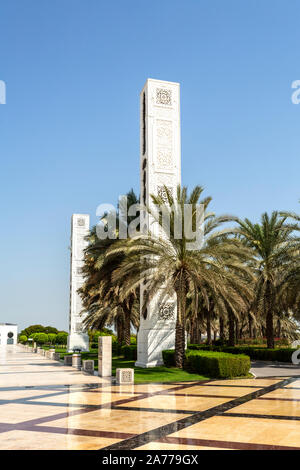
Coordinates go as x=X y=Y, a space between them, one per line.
x=101 y=299
x=273 y=245
x=212 y=269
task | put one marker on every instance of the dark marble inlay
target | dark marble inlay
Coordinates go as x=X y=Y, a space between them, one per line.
x=254 y=415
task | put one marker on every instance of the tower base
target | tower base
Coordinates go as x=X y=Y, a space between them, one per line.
x=151 y=343
x=78 y=341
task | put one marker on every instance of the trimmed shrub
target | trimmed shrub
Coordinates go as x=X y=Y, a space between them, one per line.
x=40 y=338
x=22 y=339
x=263 y=354
x=256 y=353
x=129 y=352
x=213 y=364
x=217 y=364
x=169 y=357
x=52 y=338
x=62 y=338
x=132 y=339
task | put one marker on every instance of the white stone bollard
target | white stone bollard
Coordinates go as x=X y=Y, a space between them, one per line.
x=125 y=376
x=76 y=361
x=68 y=360
x=104 y=356
x=88 y=366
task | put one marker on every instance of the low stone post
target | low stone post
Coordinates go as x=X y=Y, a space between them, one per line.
x=76 y=361
x=125 y=376
x=55 y=356
x=68 y=360
x=88 y=366
x=104 y=356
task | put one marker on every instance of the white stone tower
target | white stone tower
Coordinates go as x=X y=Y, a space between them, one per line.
x=160 y=160
x=77 y=339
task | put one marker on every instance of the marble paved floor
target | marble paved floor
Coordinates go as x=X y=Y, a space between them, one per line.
x=45 y=405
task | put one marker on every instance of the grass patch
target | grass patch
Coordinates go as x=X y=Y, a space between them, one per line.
x=155 y=374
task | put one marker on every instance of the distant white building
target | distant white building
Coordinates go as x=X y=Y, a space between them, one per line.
x=8 y=333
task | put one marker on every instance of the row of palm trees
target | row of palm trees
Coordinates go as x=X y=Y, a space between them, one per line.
x=243 y=281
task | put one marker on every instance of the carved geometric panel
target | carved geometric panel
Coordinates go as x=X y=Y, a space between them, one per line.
x=164 y=158
x=164 y=133
x=163 y=96
x=162 y=192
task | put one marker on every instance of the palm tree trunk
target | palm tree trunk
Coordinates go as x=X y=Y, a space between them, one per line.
x=278 y=328
x=127 y=312
x=180 y=330
x=120 y=330
x=193 y=331
x=269 y=318
x=250 y=325
x=208 y=326
x=231 y=328
x=270 y=329
x=222 y=334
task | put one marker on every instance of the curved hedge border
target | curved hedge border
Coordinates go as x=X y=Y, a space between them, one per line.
x=213 y=364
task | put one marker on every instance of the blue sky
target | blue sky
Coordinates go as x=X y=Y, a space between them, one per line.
x=69 y=133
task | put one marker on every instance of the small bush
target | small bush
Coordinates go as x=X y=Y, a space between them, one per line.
x=129 y=352
x=22 y=339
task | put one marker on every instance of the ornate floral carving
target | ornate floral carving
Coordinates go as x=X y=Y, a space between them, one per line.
x=163 y=96
x=81 y=222
x=166 y=311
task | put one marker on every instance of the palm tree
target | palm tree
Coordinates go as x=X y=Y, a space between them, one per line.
x=101 y=299
x=273 y=246
x=211 y=270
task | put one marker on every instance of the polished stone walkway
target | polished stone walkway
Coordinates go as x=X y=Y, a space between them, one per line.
x=45 y=405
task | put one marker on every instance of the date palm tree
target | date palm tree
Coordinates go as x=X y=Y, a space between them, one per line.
x=100 y=297
x=273 y=246
x=213 y=270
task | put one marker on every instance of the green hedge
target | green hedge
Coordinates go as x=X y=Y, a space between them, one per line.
x=217 y=364
x=213 y=364
x=255 y=353
x=129 y=352
x=169 y=357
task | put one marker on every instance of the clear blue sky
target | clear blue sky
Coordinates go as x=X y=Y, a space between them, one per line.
x=69 y=133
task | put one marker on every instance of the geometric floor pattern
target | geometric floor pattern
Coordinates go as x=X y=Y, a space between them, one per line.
x=44 y=405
